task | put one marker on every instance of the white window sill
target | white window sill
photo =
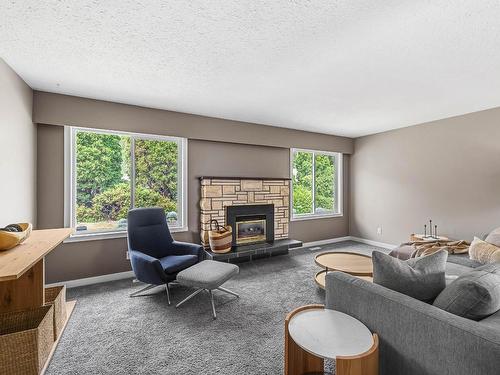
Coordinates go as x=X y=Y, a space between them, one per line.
x=315 y=217
x=80 y=237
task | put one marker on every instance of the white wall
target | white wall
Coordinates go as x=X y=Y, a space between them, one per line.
x=17 y=149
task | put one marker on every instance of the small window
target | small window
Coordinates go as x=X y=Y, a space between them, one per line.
x=112 y=172
x=316 y=184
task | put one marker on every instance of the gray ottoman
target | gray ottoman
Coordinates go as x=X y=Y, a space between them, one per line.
x=207 y=275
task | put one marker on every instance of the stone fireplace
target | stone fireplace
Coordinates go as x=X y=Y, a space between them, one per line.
x=258 y=209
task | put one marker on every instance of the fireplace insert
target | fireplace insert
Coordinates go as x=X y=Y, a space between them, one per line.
x=251 y=223
x=250 y=229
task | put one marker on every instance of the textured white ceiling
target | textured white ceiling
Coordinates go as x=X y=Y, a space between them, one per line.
x=340 y=67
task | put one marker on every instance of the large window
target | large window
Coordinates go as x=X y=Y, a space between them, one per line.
x=316 y=184
x=112 y=172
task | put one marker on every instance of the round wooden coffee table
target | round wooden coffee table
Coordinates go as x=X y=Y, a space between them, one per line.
x=355 y=264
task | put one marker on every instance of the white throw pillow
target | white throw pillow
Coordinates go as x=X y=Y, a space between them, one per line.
x=484 y=252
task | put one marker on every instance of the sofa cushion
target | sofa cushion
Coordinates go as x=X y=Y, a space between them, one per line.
x=463 y=260
x=422 y=278
x=492 y=322
x=474 y=295
x=484 y=252
x=494 y=237
x=453 y=271
x=402 y=252
x=208 y=274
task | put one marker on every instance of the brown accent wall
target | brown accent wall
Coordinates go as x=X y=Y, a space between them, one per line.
x=17 y=149
x=447 y=170
x=205 y=158
x=57 y=109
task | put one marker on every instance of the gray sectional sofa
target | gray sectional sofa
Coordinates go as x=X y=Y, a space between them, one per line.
x=417 y=338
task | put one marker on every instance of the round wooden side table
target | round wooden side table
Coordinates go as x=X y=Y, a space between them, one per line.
x=355 y=264
x=321 y=275
x=313 y=333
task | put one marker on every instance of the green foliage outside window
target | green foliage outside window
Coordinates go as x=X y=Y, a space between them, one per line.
x=302 y=183
x=98 y=163
x=103 y=183
x=156 y=167
x=324 y=183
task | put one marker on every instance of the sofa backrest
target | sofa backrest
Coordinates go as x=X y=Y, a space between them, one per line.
x=463 y=260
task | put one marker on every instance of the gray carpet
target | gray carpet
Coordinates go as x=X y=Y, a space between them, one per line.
x=110 y=333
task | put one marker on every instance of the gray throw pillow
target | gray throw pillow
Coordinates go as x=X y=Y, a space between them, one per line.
x=422 y=278
x=494 y=237
x=474 y=295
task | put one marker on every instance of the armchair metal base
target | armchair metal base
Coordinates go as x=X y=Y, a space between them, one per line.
x=148 y=287
x=214 y=314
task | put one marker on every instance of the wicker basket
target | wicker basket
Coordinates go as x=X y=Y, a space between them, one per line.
x=56 y=297
x=221 y=238
x=26 y=338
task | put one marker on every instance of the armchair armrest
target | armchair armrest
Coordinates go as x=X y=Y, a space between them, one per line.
x=415 y=338
x=185 y=248
x=146 y=268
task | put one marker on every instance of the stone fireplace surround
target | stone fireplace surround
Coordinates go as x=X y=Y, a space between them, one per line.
x=217 y=193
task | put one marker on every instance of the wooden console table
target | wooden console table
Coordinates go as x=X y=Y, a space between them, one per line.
x=22 y=273
x=313 y=333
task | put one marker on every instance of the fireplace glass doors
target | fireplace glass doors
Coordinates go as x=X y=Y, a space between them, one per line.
x=251 y=223
x=250 y=229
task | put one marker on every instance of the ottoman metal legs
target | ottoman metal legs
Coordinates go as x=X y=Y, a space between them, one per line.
x=214 y=314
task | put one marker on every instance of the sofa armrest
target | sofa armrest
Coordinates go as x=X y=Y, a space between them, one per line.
x=415 y=338
x=184 y=248
x=147 y=268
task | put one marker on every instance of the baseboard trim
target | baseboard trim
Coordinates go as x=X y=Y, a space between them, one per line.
x=373 y=243
x=349 y=238
x=129 y=274
x=325 y=242
x=94 y=280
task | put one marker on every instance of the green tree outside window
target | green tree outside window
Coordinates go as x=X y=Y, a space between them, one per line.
x=314 y=182
x=103 y=178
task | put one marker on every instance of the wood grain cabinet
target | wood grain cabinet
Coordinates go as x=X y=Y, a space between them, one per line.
x=22 y=279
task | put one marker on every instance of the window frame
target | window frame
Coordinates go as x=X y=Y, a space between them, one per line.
x=339 y=175
x=70 y=181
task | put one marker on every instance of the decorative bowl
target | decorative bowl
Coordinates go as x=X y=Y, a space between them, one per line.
x=8 y=240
